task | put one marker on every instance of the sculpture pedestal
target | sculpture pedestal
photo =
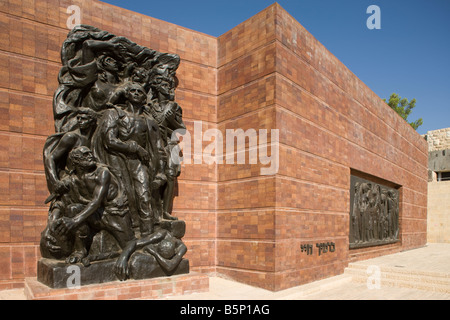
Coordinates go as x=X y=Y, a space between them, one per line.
x=57 y=274
x=155 y=288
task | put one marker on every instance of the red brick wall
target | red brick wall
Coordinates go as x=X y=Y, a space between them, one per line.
x=266 y=73
x=336 y=126
x=272 y=73
x=31 y=34
x=246 y=249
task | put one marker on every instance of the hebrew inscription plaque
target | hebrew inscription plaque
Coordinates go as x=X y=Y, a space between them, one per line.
x=374 y=213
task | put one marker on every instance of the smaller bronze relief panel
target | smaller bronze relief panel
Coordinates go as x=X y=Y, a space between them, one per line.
x=374 y=213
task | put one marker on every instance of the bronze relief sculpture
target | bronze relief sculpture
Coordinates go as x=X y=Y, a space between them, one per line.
x=374 y=213
x=110 y=167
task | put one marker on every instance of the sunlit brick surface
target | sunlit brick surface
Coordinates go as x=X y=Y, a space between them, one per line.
x=266 y=73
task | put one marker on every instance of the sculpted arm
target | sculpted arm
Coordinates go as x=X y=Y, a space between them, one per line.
x=174 y=116
x=64 y=146
x=113 y=143
x=90 y=47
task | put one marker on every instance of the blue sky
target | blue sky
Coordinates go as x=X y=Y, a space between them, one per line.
x=409 y=55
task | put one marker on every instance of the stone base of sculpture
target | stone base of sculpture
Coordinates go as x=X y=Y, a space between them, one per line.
x=155 y=288
x=57 y=274
x=101 y=263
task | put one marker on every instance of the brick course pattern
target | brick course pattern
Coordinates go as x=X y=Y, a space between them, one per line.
x=30 y=40
x=130 y=290
x=266 y=73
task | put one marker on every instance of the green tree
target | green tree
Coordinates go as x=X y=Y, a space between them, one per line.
x=404 y=107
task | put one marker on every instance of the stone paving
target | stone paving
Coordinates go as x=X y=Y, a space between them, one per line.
x=431 y=260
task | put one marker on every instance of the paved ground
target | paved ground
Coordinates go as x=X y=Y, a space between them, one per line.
x=343 y=289
x=433 y=258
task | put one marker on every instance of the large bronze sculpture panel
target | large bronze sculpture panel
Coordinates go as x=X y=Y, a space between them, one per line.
x=111 y=166
x=374 y=213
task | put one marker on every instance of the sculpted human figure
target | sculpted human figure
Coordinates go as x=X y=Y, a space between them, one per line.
x=392 y=214
x=95 y=202
x=95 y=63
x=169 y=251
x=168 y=115
x=356 y=214
x=129 y=140
x=132 y=74
x=58 y=146
x=90 y=74
x=56 y=151
x=166 y=246
x=363 y=205
x=374 y=211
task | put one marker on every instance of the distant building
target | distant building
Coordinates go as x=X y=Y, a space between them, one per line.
x=438 y=221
